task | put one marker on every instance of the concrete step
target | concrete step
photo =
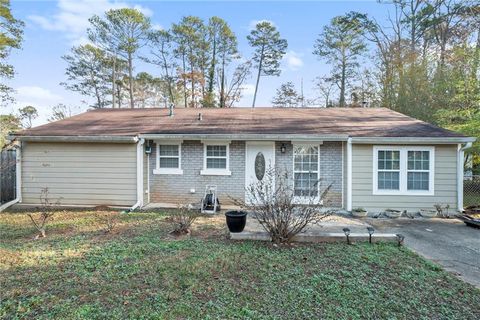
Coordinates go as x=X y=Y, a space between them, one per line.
x=318 y=237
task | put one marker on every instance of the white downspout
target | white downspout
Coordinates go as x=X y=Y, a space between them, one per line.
x=18 y=179
x=139 y=202
x=349 y=174
x=460 y=173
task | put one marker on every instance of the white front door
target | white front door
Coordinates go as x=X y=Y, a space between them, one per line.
x=260 y=158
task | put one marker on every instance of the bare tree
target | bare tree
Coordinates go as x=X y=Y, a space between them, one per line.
x=46 y=213
x=325 y=86
x=277 y=208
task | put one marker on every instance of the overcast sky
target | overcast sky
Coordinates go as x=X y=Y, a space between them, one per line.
x=53 y=27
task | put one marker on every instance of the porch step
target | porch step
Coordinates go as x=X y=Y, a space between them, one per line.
x=318 y=237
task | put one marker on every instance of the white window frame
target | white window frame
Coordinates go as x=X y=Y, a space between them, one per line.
x=403 y=190
x=159 y=170
x=299 y=199
x=216 y=172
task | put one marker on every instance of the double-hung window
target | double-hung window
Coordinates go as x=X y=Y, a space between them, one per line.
x=169 y=158
x=216 y=158
x=403 y=170
x=306 y=171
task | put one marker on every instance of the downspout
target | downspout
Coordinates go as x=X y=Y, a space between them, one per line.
x=460 y=173
x=18 y=179
x=139 y=202
x=349 y=174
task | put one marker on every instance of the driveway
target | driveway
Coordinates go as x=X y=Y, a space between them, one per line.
x=448 y=242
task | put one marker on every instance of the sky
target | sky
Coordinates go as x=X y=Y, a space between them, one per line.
x=53 y=27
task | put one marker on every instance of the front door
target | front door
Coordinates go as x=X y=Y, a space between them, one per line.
x=260 y=160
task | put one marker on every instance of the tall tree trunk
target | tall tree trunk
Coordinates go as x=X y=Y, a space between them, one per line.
x=258 y=76
x=342 y=83
x=114 y=79
x=211 y=75
x=130 y=80
x=222 y=85
x=169 y=81
x=192 y=86
x=184 y=80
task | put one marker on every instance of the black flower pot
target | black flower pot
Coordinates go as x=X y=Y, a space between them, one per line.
x=236 y=220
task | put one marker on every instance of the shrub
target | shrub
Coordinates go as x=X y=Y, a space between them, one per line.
x=182 y=219
x=45 y=215
x=108 y=220
x=278 y=210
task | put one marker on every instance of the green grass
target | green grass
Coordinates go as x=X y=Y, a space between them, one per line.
x=138 y=271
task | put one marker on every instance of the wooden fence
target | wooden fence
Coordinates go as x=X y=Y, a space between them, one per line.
x=7 y=176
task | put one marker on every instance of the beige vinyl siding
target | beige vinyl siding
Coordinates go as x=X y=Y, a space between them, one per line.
x=445 y=183
x=80 y=173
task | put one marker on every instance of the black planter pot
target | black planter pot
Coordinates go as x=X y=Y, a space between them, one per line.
x=236 y=220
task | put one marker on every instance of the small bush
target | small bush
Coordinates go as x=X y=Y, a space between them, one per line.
x=108 y=220
x=278 y=210
x=45 y=215
x=182 y=219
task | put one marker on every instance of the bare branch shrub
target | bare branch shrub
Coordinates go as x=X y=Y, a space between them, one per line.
x=442 y=211
x=182 y=219
x=46 y=213
x=281 y=212
x=108 y=220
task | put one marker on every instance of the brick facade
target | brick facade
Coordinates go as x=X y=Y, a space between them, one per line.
x=176 y=189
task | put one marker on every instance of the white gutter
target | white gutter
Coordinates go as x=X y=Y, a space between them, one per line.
x=349 y=174
x=139 y=202
x=110 y=139
x=246 y=137
x=460 y=173
x=18 y=179
x=412 y=140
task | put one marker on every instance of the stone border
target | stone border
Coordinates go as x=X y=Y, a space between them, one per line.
x=318 y=237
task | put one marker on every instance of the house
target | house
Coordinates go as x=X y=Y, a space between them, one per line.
x=373 y=158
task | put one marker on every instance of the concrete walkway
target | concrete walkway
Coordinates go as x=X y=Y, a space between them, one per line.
x=449 y=242
x=328 y=230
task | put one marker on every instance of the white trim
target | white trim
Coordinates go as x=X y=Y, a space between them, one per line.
x=349 y=174
x=249 y=137
x=460 y=159
x=306 y=200
x=140 y=150
x=148 y=177
x=403 y=170
x=18 y=172
x=216 y=171
x=168 y=171
x=412 y=140
x=159 y=170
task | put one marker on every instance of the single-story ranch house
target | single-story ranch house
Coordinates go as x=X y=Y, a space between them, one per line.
x=373 y=158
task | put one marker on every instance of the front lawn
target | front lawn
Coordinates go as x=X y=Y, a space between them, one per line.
x=139 y=271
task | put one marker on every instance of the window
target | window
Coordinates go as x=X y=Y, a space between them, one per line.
x=305 y=171
x=418 y=170
x=216 y=159
x=388 y=170
x=168 y=158
x=403 y=170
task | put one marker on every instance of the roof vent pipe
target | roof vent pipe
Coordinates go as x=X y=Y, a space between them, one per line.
x=170 y=109
x=200 y=116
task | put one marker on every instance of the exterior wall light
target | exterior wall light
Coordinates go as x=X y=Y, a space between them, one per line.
x=283 y=148
x=347 y=234
x=370 y=233
x=148 y=149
